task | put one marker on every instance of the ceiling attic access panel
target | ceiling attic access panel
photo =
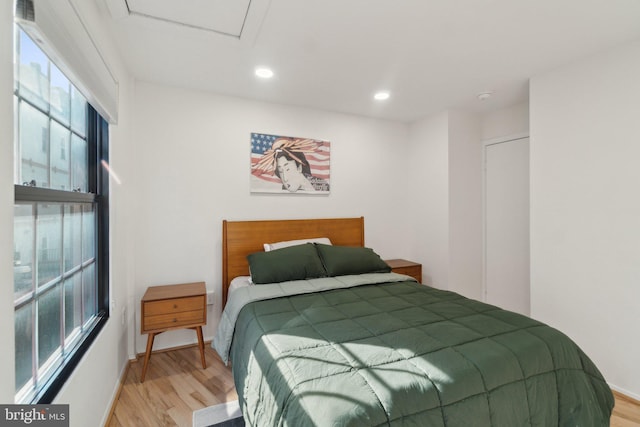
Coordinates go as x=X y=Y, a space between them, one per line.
x=225 y=17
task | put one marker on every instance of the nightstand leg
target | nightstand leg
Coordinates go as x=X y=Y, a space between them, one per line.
x=147 y=355
x=201 y=344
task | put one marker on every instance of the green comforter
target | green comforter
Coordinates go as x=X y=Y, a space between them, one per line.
x=406 y=354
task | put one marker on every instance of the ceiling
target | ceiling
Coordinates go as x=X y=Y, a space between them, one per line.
x=431 y=55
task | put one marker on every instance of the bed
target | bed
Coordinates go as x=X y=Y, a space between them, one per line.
x=372 y=348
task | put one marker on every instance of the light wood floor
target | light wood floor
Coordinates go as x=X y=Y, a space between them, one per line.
x=626 y=413
x=176 y=385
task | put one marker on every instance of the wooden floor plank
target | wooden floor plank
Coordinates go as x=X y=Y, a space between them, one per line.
x=176 y=385
x=626 y=413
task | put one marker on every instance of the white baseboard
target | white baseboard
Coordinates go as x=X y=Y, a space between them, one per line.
x=115 y=394
x=628 y=393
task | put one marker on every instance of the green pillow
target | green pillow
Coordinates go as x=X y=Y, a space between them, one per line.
x=343 y=260
x=280 y=265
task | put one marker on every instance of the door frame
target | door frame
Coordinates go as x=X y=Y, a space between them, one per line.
x=487 y=143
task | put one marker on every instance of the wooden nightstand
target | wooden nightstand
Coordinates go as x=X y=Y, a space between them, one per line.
x=164 y=308
x=402 y=266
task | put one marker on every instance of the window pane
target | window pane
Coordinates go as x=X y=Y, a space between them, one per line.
x=78 y=112
x=60 y=96
x=23 y=336
x=16 y=143
x=34 y=145
x=79 y=164
x=72 y=236
x=49 y=322
x=49 y=242
x=34 y=73
x=16 y=61
x=60 y=159
x=23 y=229
x=89 y=292
x=72 y=303
x=88 y=233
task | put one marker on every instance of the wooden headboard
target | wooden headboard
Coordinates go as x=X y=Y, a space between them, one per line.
x=241 y=238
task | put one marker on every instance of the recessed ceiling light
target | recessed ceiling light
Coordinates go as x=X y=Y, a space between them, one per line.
x=381 y=96
x=264 y=72
x=483 y=96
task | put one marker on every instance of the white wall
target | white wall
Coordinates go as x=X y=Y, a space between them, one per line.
x=193 y=166
x=7 y=361
x=465 y=204
x=510 y=121
x=428 y=197
x=585 y=208
x=445 y=193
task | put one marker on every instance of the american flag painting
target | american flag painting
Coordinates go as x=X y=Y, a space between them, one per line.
x=284 y=164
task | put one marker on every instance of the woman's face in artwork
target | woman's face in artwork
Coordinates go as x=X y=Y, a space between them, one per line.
x=290 y=174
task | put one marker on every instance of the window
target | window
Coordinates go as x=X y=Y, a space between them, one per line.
x=60 y=224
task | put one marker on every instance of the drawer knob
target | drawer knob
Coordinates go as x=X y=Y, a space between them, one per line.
x=175 y=305
x=175 y=320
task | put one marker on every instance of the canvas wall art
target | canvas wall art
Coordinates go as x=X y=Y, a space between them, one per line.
x=289 y=165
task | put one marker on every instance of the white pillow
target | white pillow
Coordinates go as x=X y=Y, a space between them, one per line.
x=240 y=282
x=279 y=245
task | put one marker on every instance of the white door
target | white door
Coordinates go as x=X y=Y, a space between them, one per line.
x=507 y=225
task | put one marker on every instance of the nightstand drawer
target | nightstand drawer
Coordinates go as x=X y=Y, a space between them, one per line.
x=173 y=320
x=409 y=268
x=177 y=305
x=415 y=272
